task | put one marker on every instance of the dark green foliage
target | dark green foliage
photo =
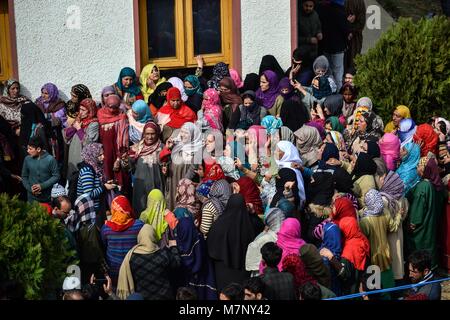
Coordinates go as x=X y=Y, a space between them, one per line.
x=409 y=65
x=33 y=248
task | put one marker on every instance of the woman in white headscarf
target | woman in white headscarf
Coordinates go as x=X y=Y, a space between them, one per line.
x=287 y=156
x=183 y=150
x=178 y=83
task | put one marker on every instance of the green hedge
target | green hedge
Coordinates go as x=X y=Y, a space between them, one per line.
x=409 y=65
x=33 y=248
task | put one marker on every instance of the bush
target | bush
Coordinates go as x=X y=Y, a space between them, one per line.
x=33 y=248
x=409 y=65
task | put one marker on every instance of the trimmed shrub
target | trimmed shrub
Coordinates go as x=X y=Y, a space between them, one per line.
x=33 y=248
x=409 y=65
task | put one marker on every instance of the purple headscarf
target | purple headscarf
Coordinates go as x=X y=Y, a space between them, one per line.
x=53 y=94
x=286 y=83
x=318 y=127
x=108 y=89
x=268 y=97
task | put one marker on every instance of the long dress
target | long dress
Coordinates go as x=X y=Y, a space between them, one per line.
x=426 y=207
x=76 y=141
x=147 y=176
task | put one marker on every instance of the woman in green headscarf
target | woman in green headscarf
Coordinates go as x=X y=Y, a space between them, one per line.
x=155 y=215
x=333 y=124
x=127 y=87
x=150 y=78
x=194 y=92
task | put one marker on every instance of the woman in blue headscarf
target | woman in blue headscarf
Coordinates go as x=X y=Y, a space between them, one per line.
x=194 y=92
x=332 y=241
x=127 y=87
x=407 y=171
x=138 y=116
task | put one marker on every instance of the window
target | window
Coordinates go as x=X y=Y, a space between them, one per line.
x=5 y=51
x=173 y=32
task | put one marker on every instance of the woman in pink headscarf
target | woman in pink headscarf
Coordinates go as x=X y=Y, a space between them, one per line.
x=234 y=74
x=210 y=116
x=289 y=238
x=390 y=150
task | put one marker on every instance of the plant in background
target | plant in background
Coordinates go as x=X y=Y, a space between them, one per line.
x=33 y=248
x=409 y=65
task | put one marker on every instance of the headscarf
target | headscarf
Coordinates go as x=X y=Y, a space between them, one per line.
x=294 y=114
x=285 y=83
x=214 y=173
x=329 y=152
x=267 y=98
x=427 y=138
x=228 y=167
x=285 y=175
x=408 y=168
x=356 y=247
x=274 y=219
x=196 y=87
x=204 y=188
x=314 y=264
x=249 y=189
x=343 y=208
x=364 y=166
x=406 y=131
x=319 y=128
x=178 y=117
x=186 y=197
x=291 y=156
x=289 y=238
x=272 y=124
x=232 y=97
x=321 y=189
x=295 y=266
x=286 y=134
x=231 y=233
x=84 y=210
x=178 y=83
x=81 y=92
x=53 y=104
x=111 y=112
x=212 y=110
x=364 y=104
x=220 y=194
x=105 y=90
x=145 y=73
x=10 y=107
x=90 y=154
x=133 y=89
x=332 y=239
x=252 y=112
x=156 y=98
x=146 y=244
x=336 y=125
x=321 y=62
x=154 y=213
x=392 y=190
x=390 y=150
x=324 y=88
x=136 y=127
x=220 y=71
x=91 y=107
x=431 y=172
x=308 y=142
x=373 y=128
x=234 y=74
x=251 y=82
x=373 y=149
x=404 y=113
x=374 y=203
x=122 y=214
x=142 y=149
x=334 y=104
x=270 y=63
x=338 y=140
x=194 y=144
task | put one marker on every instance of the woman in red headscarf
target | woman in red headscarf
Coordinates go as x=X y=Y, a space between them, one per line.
x=115 y=139
x=249 y=189
x=427 y=139
x=174 y=113
x=342 y=208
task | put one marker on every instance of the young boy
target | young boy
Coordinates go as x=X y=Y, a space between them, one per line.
x=39 y=172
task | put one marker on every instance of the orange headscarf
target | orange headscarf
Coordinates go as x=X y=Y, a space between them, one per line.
x=122 y=212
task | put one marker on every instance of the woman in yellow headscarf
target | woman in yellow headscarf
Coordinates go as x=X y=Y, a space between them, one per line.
x=400 y=113
x=150 y=78
x=158 y=216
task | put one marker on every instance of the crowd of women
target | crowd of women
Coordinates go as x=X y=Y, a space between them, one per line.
x=187 y=179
